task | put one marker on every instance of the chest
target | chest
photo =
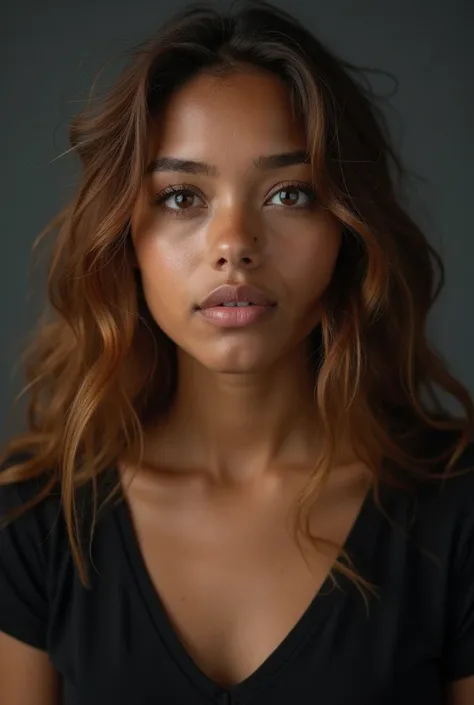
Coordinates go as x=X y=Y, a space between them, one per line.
x=231 y=577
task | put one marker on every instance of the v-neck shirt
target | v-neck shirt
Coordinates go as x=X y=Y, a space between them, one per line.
x=114 y=643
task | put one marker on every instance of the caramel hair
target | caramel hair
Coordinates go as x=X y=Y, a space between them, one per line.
x=98 y=366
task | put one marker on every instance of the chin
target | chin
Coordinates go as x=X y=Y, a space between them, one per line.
x=240 y=360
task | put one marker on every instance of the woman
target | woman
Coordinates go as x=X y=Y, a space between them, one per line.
x=232 y=488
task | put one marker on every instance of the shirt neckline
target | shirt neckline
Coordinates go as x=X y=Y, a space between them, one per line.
x=312 y=617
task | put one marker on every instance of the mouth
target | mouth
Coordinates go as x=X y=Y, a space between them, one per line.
x=236 y=306
x=236 y=316
x=240 y=296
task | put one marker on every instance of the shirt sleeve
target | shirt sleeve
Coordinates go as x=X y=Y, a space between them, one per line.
x=459 y=645
x=23 y=598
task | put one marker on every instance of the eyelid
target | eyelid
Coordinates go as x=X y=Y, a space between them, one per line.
x=303 y=186
x=178 y=188
x=174 y=188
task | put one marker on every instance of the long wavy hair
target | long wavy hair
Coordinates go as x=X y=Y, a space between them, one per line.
x=98 y=366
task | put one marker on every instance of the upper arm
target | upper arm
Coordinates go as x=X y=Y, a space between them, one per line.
x=27 y=676
x=461 y=692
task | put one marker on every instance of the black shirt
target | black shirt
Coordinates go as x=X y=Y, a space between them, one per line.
x=114 y=644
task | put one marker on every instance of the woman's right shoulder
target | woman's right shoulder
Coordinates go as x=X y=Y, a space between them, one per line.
x=16 y=494
x=45 y=519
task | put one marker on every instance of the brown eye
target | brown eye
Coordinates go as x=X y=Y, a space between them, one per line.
x=293 y=196
x=183 y=199
x=176 y=199
x=290 y=196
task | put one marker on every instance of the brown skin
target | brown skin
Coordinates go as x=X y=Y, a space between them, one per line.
x=240 y=440
x=245 y=395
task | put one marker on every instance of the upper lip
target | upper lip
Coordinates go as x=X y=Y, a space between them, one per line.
x=233 y=294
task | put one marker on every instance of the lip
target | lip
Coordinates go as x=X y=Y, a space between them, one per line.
x=235 y=316
x=243 y=293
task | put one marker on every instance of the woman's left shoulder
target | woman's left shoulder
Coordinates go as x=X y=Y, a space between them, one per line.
x=445 y=502
x=454 y=487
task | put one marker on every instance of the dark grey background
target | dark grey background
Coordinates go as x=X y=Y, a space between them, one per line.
x=51 y=51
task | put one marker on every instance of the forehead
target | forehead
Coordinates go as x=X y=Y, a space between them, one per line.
x=234 y=117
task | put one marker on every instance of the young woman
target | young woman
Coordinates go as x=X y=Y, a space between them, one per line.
x=239 y=484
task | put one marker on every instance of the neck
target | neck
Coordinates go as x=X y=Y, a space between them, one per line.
x=237 y=427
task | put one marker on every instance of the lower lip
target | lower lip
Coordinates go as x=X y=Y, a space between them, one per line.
x=235 y=316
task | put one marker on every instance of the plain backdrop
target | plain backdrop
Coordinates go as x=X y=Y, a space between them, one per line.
x=51 y=51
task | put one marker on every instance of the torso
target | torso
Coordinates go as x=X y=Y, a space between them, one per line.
x=225 y=566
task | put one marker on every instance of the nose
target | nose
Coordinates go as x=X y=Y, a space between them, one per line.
x=234 y=245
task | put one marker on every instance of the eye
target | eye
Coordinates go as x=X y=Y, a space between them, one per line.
x=293 y=196
x=177 y=198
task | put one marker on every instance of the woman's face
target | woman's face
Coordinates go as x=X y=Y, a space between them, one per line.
x=234 y=218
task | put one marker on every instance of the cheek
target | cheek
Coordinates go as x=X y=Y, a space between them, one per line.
x=164 y=272
x=158 y=252
x=307 y=267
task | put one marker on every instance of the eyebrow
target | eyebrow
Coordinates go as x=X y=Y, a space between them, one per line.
x=265 y=163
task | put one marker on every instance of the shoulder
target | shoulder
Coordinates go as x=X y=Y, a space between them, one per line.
x=438 y=511
x=450 y=491
x=40 y=529
x=16 y=494
x=33 y=537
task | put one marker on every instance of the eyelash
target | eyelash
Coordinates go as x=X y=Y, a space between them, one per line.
x=160 y=197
